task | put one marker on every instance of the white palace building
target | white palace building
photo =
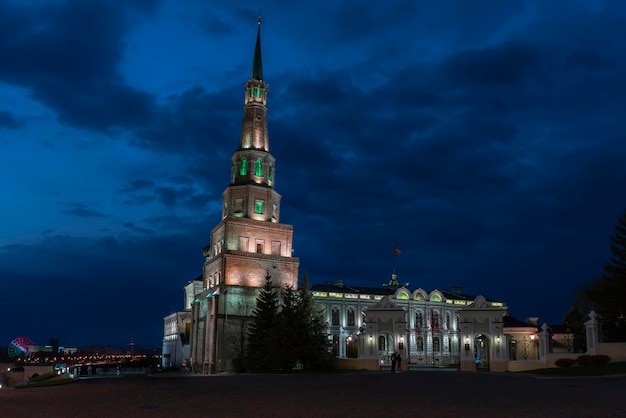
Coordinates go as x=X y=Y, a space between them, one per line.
x=437 y=328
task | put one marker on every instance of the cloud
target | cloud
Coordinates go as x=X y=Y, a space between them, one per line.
x=9 y=121
x=81 y=210
x=66 y=54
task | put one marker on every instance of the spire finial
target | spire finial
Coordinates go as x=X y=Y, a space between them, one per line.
x=257 y=66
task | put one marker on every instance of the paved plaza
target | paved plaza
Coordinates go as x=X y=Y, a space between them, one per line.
x=359 y=394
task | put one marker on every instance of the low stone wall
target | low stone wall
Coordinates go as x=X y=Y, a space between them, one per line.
x=525 y=365
x=359 y=364
x=617 y=351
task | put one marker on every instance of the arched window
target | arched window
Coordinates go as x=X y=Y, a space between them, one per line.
x=352 y=349
x=259 y=168
x=244 y=167
x=270 y=173
x=436 y=344
x=419 y=320
x=435 y=321
x=351 y=317
x=420 y=344
x=334 y=316
x=382 y=343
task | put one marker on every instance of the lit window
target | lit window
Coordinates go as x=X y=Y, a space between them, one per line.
x=258 y=206
x=270 y=173
x=259 y=168
x=244 y=167
x=258 y=92
x=402 y=296
x=420 y=344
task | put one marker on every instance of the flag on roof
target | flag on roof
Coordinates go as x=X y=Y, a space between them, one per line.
x=396 y=250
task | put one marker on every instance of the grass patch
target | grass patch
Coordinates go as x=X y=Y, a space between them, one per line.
x=583 y=371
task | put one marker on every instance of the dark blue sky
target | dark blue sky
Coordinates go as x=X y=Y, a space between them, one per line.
x=487 y=139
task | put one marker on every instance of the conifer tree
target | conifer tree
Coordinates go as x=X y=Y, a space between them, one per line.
x=261 y=348
x=287 y=335
x=312 y=331
x=608 y=292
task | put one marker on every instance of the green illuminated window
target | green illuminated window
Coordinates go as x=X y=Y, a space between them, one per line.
x=435 y=298
x=258 y=92
x=402 y=296
x=244 y=167
x=259 y=168
x=252 y=92
x=258 y=207
x=270 y=173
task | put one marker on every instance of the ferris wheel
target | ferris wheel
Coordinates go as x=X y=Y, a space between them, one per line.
x=19 y=347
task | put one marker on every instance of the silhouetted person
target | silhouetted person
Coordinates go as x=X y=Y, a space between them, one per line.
x=394 y=358
x=398 y=361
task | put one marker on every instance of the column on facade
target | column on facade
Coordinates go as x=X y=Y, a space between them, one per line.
x=544 y=342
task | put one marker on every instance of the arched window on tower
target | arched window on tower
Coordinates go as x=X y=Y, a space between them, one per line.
x=259 y=168
x=244 y=167
x=270 y=173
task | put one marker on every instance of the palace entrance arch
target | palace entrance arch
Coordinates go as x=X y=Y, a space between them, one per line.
x=481 y=352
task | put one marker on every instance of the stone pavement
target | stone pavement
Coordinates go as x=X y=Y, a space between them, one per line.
x=358 y=394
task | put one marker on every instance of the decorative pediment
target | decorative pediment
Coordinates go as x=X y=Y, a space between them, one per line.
x=480 y=303
x=385 y=304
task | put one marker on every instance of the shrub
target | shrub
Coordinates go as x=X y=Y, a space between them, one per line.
x=601 y=359
x=565 y=362
x=587 y=360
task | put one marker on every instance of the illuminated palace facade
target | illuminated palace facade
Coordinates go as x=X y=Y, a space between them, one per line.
x=435 y=328
x=424 y=327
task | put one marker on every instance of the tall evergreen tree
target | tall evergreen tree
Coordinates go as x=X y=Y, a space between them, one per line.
x=261 y=347
x=608 y=292
x=312 y=331
x=287 y=335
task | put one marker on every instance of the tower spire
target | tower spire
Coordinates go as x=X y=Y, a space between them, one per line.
x=257 y=64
